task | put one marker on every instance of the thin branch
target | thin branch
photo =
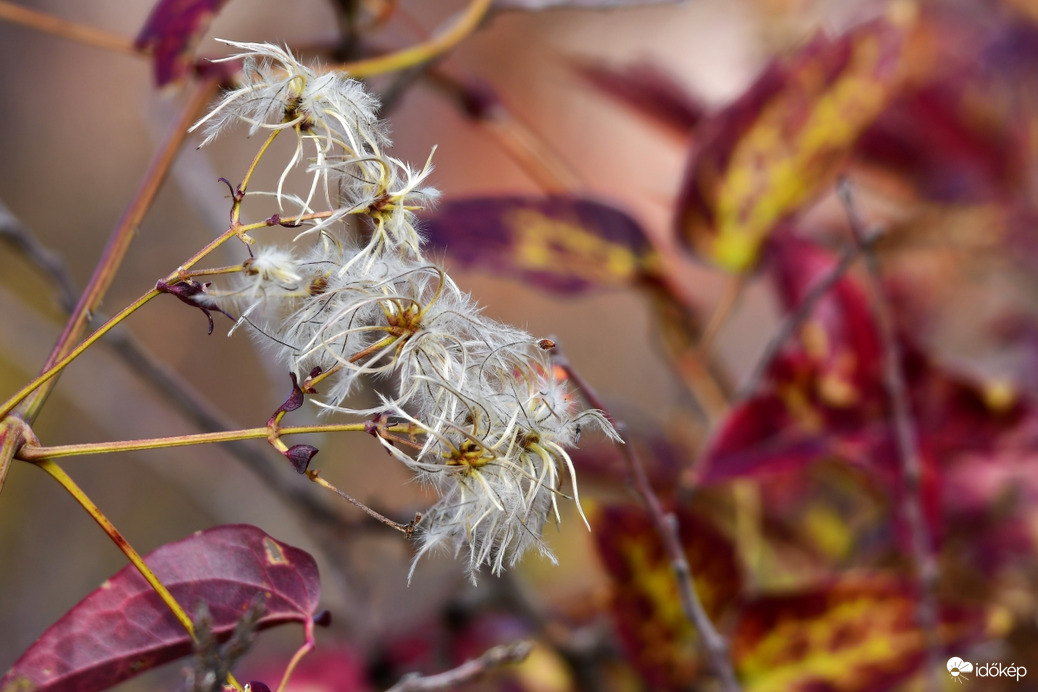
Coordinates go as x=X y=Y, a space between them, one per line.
x=680 y=333
x=48 y=261
x=80 y=33
x=796 y=318
x=733 y=291
x=118 y=244
x=473 y=669
x=527 y=148
x=586 y=649
x=35 y=392
x=467 y=23
x=58 y=474
x=666 y=524
x=36 y=453
x=406 y=529
x=907 y=443
x=200 y=410
x=190 y=403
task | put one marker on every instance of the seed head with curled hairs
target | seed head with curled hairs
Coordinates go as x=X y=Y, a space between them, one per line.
x=490 y=421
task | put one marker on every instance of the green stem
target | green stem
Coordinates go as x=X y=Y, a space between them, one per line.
x=58 y=474
x=38 y=384
x=423 y=52
x=118 y=244
x=36 y=453
x=306 y=648
x=14 y=434
x=178 y=275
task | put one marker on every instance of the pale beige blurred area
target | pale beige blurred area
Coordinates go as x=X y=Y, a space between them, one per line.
x=77 y=128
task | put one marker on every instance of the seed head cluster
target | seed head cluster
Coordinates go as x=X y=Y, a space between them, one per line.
x=352 y=296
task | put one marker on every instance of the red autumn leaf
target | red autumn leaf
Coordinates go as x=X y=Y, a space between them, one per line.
x=649 y=90
x=665 y=460
x=559 y=243
x=990 y=501
x=932 y=137
x=762 y=436
x=857 y=633
x=958 y=134
x=839 y=341
x=658 y=638
x=779 y=146
x=823 y=394
x=123 y=628
x=171 y=32
x=823 y=398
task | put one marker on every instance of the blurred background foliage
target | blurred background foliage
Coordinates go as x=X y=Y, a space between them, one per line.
x=712 y=134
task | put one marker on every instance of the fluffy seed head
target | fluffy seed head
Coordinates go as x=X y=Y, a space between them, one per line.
x=490 y=417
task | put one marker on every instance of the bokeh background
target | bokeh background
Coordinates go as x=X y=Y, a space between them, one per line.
x=77 y=128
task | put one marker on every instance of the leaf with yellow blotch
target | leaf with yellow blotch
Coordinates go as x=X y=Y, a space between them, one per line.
x=659 y=640
x=778 y=147
x=857 y=633
x=559 y=243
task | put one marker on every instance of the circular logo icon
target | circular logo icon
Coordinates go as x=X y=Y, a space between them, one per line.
x=957 y=668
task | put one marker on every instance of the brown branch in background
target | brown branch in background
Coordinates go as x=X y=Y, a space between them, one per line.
x=666 y=524
x=680 y=333
x=529 y=150
x=198 y=409
x=80 y=33
x=927 y=614
x=468 y=671
x=587 y=649
x=119 y=241
x=525 y=146
x=796 y=318
x=190 y=403
x=48 y=261
x=733 y=291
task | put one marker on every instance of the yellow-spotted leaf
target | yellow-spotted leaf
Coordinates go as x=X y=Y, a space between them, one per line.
x=659 y=640
x=774 y=150
x=858 y=633
x=559 y=243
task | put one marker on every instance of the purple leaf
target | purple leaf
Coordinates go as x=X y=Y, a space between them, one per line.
x=123 y=628
x=649 y=90
x=171 y=32
x=293 y=402
x=558 y=243
x=300 y=455
x=193 y=293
